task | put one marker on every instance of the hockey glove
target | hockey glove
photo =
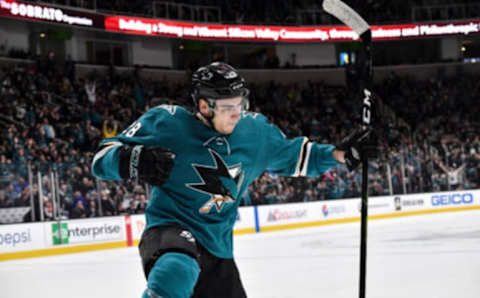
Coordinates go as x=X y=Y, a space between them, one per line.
x=152 y=165
x=358 y=144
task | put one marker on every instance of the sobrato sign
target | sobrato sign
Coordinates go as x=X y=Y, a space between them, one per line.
x=51 y=14
x=186 y=30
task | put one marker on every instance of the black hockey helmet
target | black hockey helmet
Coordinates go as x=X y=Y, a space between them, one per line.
x=218 y=80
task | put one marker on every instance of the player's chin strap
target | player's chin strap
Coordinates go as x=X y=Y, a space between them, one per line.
x=208 y=120
x=211 y=105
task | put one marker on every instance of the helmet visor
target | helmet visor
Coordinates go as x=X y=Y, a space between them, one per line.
x=219 y=106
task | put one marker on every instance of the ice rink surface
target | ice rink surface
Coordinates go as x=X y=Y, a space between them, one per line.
x=427 y=256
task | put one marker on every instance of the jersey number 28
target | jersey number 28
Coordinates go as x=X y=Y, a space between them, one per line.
x=132 y=129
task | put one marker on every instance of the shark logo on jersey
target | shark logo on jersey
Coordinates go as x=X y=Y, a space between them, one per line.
x=213 y=186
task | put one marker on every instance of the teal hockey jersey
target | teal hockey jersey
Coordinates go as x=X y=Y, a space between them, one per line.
x=211 y=170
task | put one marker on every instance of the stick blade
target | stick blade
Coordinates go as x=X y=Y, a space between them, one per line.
x=347 y=15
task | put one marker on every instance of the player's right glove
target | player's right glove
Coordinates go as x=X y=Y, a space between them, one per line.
x=152 y=165
x=356 y=145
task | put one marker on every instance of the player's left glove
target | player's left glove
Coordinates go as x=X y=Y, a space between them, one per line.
x=149 y=164
x=356 y=145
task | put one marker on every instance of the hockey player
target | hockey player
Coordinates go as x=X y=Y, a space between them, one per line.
x=199 y=164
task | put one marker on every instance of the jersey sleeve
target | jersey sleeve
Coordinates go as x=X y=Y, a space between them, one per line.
x=296 y=157
x=147 y=131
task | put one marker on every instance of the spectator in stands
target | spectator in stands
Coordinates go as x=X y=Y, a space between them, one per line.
x=110 y=128
x=142 y=203
x=78 y=196
x=6 y=171
x=36 y=206
x=20 y=162
x=11 y=194
x=79 y=211
x=108 y=206
x=19 y=185
x=92 y=209
x=132 y=207
x=90 y=87
x=4 y=202
x=24 y=198
x=48 y=211
x=49 y=130
x=454 y=174
x=85 y=186
x=308 y=197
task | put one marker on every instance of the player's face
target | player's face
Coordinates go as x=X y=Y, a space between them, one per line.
x=227 y=114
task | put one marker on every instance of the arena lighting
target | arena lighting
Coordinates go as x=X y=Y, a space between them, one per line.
x=166 y=28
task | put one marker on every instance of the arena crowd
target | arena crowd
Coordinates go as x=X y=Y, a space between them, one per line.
x=54 y=122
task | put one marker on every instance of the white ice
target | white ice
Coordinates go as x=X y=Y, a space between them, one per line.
x=434 y=256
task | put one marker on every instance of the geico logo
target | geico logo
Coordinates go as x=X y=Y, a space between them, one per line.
x=452 y=199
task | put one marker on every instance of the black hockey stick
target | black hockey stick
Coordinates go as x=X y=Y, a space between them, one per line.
x=352 y=19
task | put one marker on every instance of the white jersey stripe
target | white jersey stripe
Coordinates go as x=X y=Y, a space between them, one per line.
x=104 y=151
x=300 y=158
x=303 y=171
